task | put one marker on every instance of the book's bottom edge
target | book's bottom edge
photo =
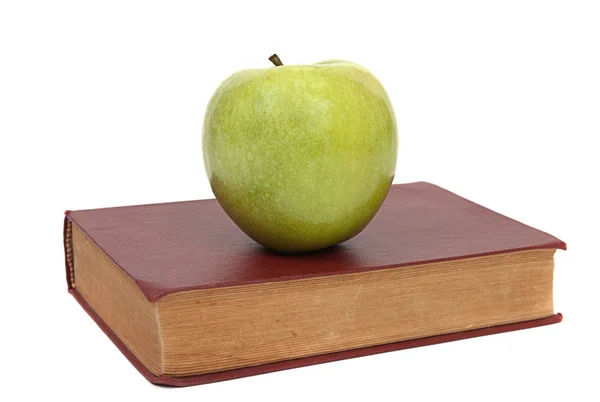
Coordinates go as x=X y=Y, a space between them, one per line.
x=305 y=361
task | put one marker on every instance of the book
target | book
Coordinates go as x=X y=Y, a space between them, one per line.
x=189 y=299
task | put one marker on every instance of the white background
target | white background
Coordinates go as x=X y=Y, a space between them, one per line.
x=101 y=104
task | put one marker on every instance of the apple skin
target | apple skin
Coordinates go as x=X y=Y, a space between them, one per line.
x=300 y=157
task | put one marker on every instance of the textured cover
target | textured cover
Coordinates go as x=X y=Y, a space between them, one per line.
x=177 y=246
x=171 y=247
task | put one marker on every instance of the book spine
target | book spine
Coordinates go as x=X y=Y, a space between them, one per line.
x=68 y=246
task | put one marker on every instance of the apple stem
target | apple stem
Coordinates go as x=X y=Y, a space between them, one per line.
x=275 y=60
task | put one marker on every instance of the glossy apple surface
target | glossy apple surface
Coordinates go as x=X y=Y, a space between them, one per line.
x=300 y=157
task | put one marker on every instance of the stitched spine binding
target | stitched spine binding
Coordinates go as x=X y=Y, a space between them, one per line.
x=68 y=244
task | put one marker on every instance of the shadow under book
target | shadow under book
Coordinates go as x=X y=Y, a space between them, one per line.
x=189 y=299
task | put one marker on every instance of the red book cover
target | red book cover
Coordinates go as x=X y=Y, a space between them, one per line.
x=172 y=247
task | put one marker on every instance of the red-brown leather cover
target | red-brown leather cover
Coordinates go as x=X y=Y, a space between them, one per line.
x=172 y=247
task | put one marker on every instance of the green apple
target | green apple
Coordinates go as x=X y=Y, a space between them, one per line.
x=300 y=157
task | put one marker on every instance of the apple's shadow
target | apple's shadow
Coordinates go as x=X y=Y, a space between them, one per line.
x=262 y=262
x=335 y=249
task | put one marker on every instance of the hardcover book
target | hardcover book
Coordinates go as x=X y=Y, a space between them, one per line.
x=189 y=299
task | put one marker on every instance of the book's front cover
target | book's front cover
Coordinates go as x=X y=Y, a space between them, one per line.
x=171 y=247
